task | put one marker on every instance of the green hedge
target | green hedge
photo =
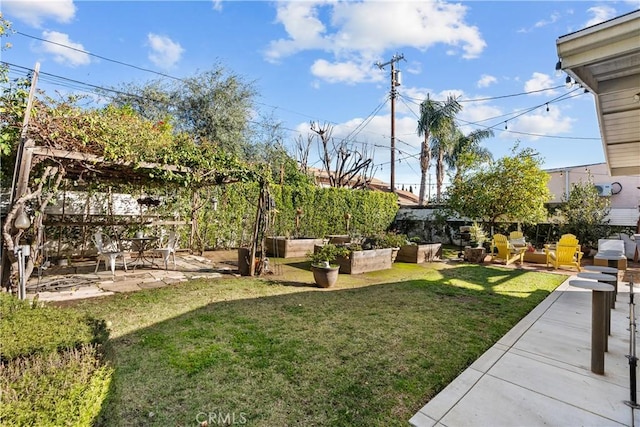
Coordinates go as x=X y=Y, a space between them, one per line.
x=323 y=212
x=51 y=369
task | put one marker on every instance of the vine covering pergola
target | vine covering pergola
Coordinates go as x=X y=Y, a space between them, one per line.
x=103 y=147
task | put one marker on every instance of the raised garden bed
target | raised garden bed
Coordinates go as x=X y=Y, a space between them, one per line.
x=425 y=252
x=282 y=247
x=364 y=261
x=339 y=239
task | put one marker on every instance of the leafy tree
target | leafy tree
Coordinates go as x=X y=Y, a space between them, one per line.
x=466 y=152
x=7 y=103
x=514 y=188
x=267 y=135
x=583 y=213
x=5 y=31
x=435 y=118
x=214 y=105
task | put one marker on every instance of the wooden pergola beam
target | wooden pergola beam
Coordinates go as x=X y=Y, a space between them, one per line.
x=92 y=158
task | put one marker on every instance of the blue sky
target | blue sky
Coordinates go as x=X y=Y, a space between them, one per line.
x=315 y=60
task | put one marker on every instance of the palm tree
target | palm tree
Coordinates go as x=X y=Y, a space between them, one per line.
x=434 y=115
x=466 y=151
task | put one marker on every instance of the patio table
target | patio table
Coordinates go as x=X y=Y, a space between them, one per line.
x=142 y=244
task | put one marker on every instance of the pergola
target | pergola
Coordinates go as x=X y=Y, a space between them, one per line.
x=605 y=59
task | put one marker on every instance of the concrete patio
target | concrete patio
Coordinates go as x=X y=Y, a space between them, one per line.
x=539 y=374
x=78 y=280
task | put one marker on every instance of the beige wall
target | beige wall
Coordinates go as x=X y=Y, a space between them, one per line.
x=627 y=198
x=624 y=204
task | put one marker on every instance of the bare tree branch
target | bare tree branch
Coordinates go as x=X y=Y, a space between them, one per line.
x=352 y=168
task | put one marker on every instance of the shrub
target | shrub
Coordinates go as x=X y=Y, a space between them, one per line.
x=26 y=330
x=66 y=388
x=51 y=372
x=327 y=253
x=387 y=239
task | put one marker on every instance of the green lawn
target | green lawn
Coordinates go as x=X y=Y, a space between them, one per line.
x=260 y=352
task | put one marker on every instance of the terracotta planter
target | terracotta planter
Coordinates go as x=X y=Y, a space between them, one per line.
x=325 y=277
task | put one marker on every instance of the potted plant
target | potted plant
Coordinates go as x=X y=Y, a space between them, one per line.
x=477 y=235
x=325 y=273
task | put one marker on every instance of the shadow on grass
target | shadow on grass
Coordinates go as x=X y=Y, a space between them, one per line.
x=370 y=355
x=301 y=265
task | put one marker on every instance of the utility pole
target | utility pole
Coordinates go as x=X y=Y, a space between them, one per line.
x=395 y=81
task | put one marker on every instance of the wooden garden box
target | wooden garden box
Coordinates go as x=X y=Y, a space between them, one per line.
x=364 y=261
x=426 y=252
x=281 y=247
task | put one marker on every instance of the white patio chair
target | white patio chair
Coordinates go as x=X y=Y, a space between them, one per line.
x=169 y=250
x=107 y=250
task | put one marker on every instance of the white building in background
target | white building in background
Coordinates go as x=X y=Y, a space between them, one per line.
x=623 y=191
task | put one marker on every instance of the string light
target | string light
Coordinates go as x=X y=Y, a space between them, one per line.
x=568 y=83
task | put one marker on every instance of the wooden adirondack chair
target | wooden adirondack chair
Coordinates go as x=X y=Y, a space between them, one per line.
x=505 y=251
x=566 y=252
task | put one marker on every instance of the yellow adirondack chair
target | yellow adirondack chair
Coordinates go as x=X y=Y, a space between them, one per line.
x=506 y=252
x=566 y=252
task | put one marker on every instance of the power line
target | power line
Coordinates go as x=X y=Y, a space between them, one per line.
x=99 y=56
x=78 y=85
x=491 y=98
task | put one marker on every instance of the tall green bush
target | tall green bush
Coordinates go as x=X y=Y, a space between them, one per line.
x=584 y=213
x=320 y=212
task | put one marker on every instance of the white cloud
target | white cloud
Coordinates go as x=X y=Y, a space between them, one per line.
x=480 y=114
x=64 y=51
x=600 y=14
x=540 y=123
x=34 y=12
x=349 y=72
x=538 y=82
x=352 y=31
x=165 y=53
x=486 y=80
x=544 y=22
x=217 y=5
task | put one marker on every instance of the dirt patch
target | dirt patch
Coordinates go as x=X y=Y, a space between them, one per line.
x=229 y=256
